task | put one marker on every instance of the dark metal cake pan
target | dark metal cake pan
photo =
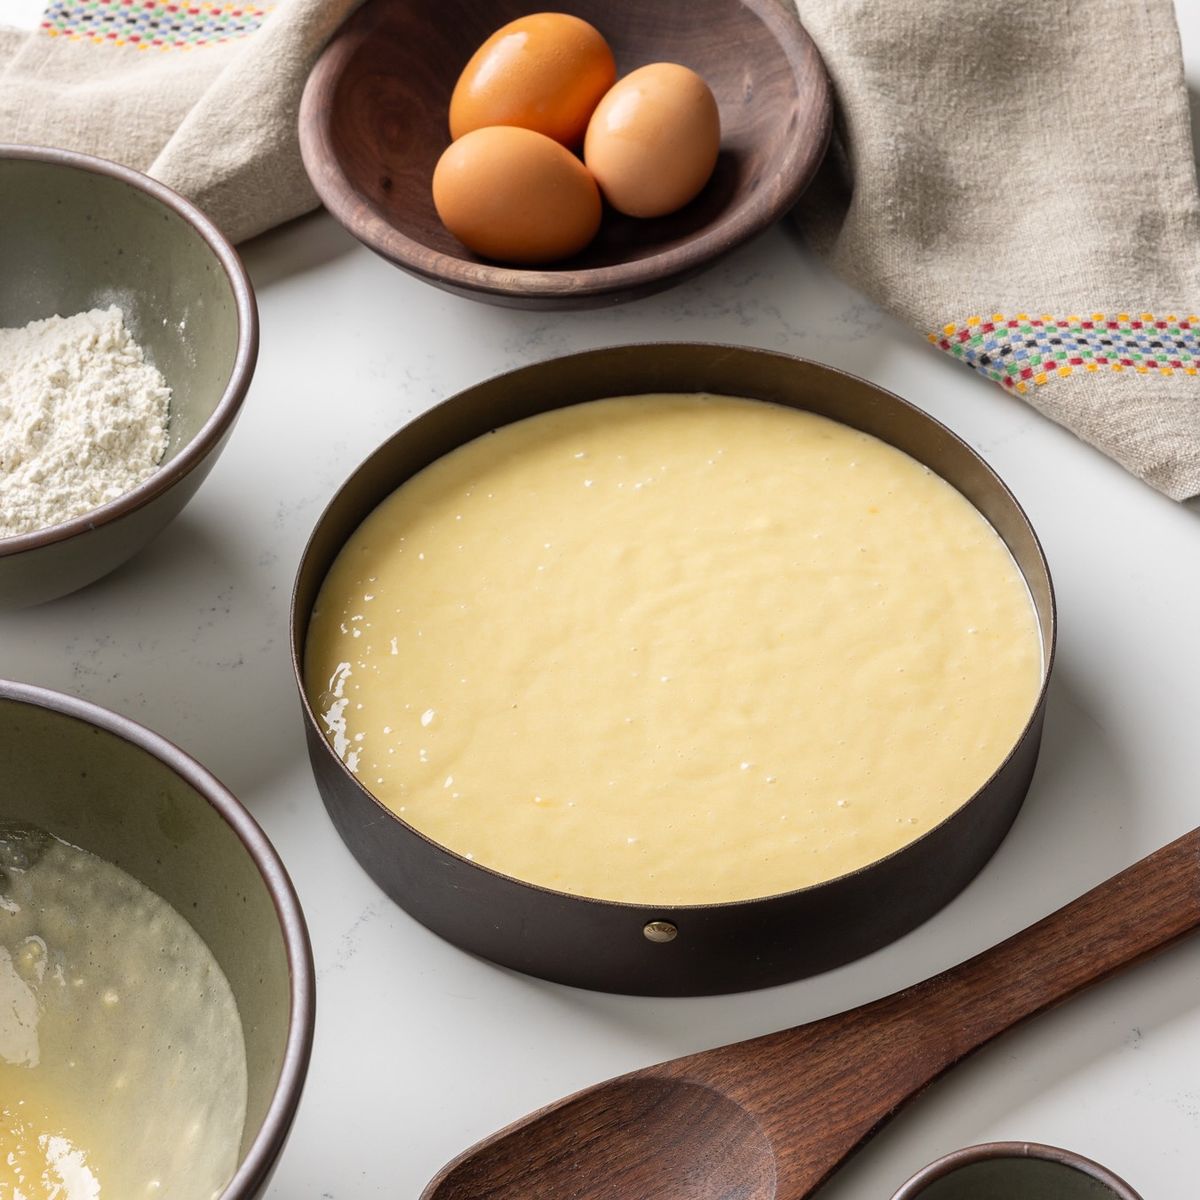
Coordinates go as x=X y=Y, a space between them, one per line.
x=683 y=949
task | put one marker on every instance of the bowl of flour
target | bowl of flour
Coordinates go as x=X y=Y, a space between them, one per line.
x=128 y=337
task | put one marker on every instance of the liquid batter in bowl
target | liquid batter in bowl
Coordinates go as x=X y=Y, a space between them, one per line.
x=122 y=1063
x=674 y=649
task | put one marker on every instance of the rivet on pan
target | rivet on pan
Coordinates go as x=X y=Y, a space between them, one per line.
x=660 y=931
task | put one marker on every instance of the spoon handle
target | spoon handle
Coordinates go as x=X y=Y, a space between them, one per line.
x=821 y=1089
x=1135 y=913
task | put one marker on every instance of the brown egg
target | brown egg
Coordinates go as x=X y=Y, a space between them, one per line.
x=516 y=196
x=544 y=72
x=653 y=140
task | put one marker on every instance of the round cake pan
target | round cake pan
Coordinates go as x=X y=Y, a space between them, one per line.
x=686 y=949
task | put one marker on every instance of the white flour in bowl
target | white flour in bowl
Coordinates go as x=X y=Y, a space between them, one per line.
x=83 y=418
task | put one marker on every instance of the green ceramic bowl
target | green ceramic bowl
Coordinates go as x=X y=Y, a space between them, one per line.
x=76 y=233
x=112 y=787
x=1015 y=1171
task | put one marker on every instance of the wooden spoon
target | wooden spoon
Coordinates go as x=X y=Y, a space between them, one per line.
x=772 y=1118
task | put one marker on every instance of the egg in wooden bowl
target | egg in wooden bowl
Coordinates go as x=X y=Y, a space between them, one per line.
x=376 y=118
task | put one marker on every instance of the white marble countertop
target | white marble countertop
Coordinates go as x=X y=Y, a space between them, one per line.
x=421 y=1049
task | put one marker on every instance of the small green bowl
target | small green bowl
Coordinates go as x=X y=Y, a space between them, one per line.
x=1015 y=1171
x=106 y=784
x=77 y=233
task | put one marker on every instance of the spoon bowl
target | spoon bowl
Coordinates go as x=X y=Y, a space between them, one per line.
x=641 y=1135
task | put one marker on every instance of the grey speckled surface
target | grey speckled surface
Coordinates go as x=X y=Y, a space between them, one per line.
x=420 y=1049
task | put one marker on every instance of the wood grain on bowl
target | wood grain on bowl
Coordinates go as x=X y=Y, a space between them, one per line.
x=373 y=123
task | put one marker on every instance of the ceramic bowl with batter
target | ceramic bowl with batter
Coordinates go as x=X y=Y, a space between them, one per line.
x=106 y=785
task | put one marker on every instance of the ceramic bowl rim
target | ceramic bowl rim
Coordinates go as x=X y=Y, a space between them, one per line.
x=264 y=1150
x=914 y=1188
x=492 y=280
x=210 y=434
x=313 y=723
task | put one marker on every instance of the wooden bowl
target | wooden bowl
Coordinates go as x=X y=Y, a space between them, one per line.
x=624 y=947
x=373 y=123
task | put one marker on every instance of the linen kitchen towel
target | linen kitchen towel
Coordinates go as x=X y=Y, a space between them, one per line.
x=1016 y=179
x=201 y=94
x=1013 y=177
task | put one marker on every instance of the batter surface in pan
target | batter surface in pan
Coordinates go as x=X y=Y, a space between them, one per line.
x=674 y=649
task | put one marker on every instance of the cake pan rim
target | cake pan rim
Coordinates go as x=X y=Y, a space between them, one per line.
x=298 y=619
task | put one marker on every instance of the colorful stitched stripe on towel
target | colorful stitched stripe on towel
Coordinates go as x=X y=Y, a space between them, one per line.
x=152 y=24
x=1023 y=350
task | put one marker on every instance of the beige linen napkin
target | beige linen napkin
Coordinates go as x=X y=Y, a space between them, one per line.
x=202 y=95
x=1012 y=177
x=1015 y=178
